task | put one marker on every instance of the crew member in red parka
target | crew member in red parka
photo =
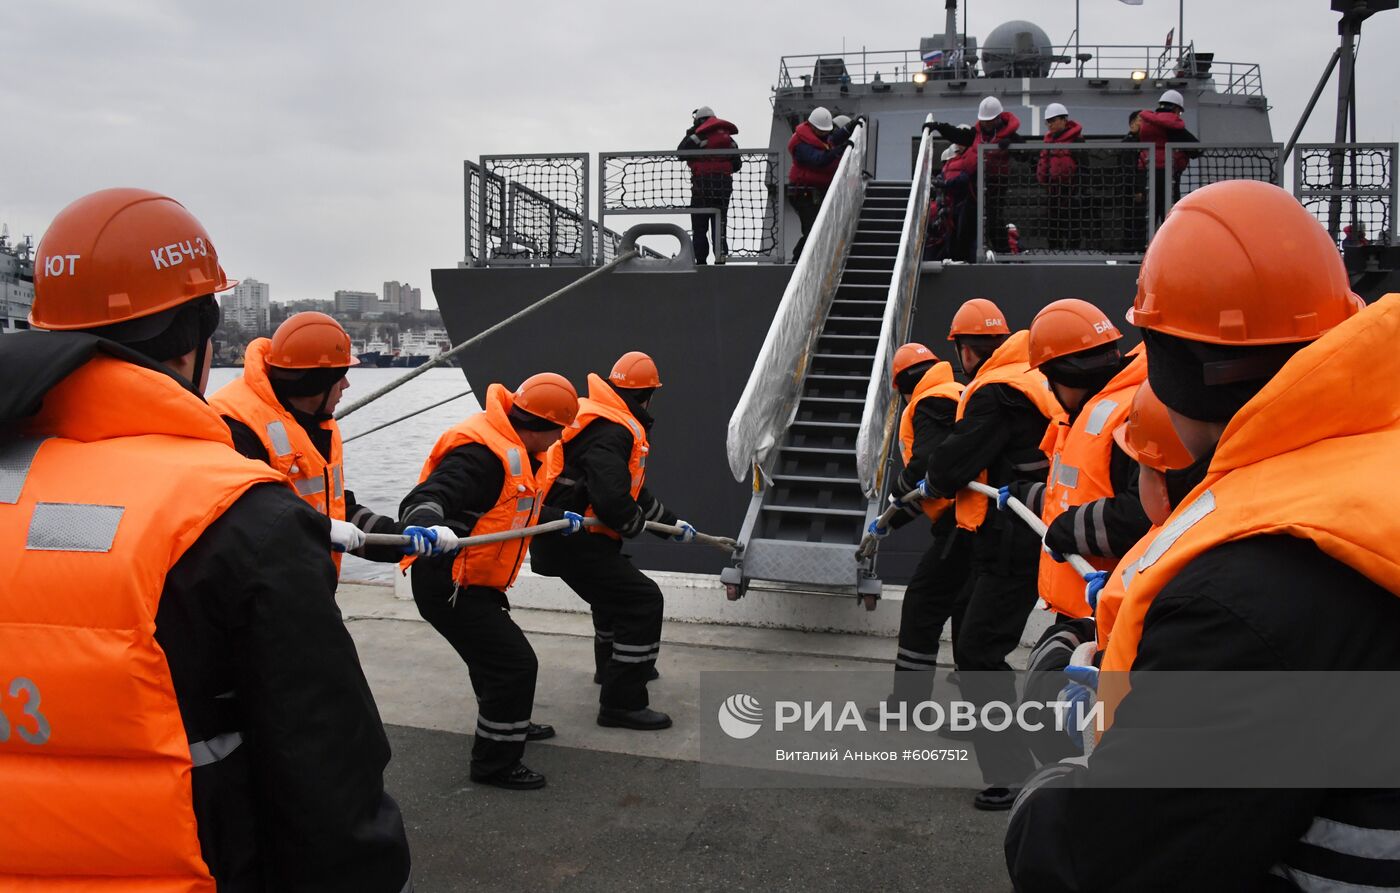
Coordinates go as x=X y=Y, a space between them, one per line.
x=1163 y=126
x=816 y=148
x=1058 y=171
x=711 y=180
x=995 y=126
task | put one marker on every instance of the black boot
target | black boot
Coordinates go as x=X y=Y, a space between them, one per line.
x=995 y=799
x=645 y=719
x=515 y=778
x=539 y=731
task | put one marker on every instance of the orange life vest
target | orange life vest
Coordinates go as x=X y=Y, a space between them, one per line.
x=496 y=565
x=1301 y=459
x=603 y=402
x=1008 y=365
x=108 y=486
x=937 y=383
x=250 y=400
x=1080 y=455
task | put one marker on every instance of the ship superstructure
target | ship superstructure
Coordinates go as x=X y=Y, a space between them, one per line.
x=805 y=348
x=16 y=282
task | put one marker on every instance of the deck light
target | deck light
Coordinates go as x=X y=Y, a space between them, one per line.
x=920 y=78
x=1139 y=75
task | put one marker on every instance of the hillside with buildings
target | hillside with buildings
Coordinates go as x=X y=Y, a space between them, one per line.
x=388 y=328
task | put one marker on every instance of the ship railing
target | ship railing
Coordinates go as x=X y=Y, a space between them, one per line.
x=529 y=210
x=1086 y=202
x=878 y=422
x=827 y=72
x=659 y=183
x=770 y=397
x=1349 y=186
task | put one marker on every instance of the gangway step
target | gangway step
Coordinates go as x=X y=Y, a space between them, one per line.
x=815 y=479
x=823 y=450
x=844 y=400
x=812 y=510
x=846 y=426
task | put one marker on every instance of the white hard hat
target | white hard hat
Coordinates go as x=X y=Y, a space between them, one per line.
x=821 y=119
x=989 y=109
x=1055 y=110
x=951 y=152
x=842 y=120
x=1174 y=98
x=703 y=112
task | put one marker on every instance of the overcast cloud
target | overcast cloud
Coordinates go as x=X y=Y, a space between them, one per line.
x=321 y=143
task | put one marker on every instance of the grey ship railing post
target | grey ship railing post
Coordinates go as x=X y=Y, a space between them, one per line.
x=585 y=249
x=602 y=198
x=978 y=253
x=1150 y=184
x=482 y=211
x=466 y=195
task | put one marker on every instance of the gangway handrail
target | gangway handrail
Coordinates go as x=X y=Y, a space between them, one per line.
x=877 y=421
x=770 y=396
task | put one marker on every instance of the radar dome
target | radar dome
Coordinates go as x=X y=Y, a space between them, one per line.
x=1017 y=49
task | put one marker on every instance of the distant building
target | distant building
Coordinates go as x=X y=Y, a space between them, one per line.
x=249 y=306
x=356 y=301
x=305 y=304
x=401 y=298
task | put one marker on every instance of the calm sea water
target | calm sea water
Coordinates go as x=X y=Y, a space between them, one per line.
x=382 y=467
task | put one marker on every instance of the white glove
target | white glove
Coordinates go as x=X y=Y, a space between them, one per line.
x=687 y=534
x=346 y=537
x=447 y=542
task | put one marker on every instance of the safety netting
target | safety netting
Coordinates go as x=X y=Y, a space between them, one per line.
x=1194 y=166
x=732 y=193
x=533 y=208
x=1077 y=199
x=1351 y=190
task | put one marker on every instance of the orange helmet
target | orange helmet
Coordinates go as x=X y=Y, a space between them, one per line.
x=1149 y=436
x=1069 y=326
x=978 y=316
x=908 y=356
x=634 y=369
x=310 y=340
x=1241 y=263
x=121 y=254
x=550 y=396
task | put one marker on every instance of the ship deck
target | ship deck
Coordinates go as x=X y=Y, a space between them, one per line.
x=641 y=810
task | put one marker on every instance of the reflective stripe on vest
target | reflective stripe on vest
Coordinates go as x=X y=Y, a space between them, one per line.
x=16 y=457
x=206 y=753
x=73 y=527
x=96 y=757
x=277 y=436
x=1099 y=415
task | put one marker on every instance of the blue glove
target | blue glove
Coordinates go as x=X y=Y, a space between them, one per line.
x=927 y=490
x=575 y=523
x=1080 y=694
x=430 y=541
x=1003 y=494
x=687 y=534
x=1093 y=585
x=876 y=530
x=1054 y=556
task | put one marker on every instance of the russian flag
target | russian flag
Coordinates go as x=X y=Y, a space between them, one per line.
x=932 y=58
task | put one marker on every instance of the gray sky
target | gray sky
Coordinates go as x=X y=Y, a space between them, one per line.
x=321 y=143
